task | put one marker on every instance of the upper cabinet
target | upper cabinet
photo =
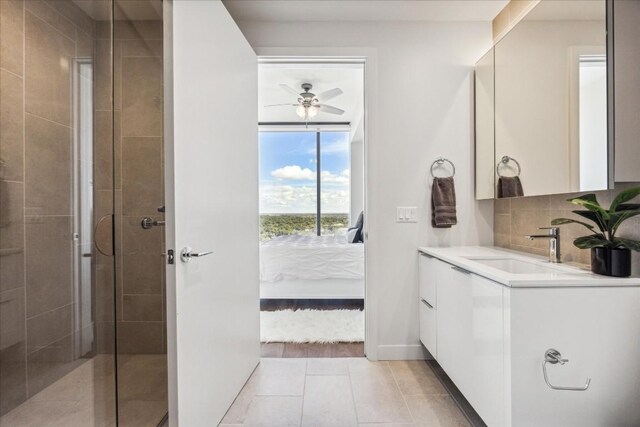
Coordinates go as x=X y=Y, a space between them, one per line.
x=541 y=104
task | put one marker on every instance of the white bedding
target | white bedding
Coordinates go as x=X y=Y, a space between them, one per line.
x=311 y=258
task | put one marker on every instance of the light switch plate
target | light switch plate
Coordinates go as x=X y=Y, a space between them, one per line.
x=406 y=214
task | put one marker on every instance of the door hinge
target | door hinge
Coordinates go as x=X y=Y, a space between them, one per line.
x=170 y=256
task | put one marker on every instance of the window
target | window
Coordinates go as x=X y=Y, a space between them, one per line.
x=294 y=197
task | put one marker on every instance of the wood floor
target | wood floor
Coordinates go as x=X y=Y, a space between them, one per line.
x=342 y=349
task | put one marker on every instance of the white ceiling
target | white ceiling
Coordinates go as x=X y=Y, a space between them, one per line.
x=358 y=10
x=323 y=77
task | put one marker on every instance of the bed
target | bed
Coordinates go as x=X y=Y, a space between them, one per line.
x=311 y=267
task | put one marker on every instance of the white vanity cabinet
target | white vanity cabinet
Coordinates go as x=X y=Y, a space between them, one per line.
x=430 y=271
x=490 y=338
x=469 y=335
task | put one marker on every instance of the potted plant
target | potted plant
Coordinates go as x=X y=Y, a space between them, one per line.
x=610 y=254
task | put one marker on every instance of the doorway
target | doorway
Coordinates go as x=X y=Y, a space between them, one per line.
x=311 y=145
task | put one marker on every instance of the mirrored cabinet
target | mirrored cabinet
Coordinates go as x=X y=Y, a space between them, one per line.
x=544 y=102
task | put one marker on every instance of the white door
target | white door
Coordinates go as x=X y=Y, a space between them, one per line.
x=212 y=205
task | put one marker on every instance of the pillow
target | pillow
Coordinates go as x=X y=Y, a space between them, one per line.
x=360 y=221
x=351 y=234
x=359 y=225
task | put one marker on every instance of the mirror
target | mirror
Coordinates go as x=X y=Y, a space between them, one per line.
x=485 y=136
x=550 y=104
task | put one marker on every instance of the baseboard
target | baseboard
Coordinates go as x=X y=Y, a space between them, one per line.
x=403 y=352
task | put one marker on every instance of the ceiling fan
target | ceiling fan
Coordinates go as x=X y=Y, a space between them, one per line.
x=309 y=104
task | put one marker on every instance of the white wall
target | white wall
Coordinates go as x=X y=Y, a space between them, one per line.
x=356 y=180
x=419 y=106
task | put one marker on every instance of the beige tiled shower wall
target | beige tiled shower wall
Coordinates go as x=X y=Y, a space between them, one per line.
x=517 y=217
x=139 y=180
x=38 y=43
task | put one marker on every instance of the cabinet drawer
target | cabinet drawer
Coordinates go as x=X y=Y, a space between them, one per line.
x=428 y=278
x=428 y=327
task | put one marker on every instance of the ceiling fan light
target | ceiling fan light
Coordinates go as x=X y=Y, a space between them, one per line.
x=313 y=111
x=301 y=111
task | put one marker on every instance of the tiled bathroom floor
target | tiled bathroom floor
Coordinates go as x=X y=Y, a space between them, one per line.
x=85 y=397
x=336 y=392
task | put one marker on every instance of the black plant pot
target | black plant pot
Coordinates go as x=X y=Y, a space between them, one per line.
x=611 y=261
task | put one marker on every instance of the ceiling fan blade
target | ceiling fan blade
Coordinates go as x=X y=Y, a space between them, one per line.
x=291 y=90
x=329 y=109
x=281 y=105
x=330 y=94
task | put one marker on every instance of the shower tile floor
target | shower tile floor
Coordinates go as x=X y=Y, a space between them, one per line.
x=281 y=392
x=344 y=392
x=85 y=397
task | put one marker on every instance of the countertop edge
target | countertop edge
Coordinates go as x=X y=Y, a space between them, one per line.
x=455 y=255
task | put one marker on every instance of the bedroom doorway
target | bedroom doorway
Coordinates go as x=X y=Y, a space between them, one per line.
x=311 y=145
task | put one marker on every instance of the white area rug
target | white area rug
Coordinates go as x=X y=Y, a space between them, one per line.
x=321 y=326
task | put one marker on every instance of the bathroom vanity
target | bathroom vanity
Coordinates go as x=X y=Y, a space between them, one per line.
x=492 y=317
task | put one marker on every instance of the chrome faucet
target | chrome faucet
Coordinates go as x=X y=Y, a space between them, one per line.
x=554 y=242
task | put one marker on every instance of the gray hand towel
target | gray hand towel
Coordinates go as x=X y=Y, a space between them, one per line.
x=509 y=186
x=443 y=203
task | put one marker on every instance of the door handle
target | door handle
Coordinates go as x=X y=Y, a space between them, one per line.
x=186 y=254
x=103 y=235
x=460 y=270
x=426 y=303
x=148 y=222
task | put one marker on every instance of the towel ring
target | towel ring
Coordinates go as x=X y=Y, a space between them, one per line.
x=504 y=161
x=439 y=161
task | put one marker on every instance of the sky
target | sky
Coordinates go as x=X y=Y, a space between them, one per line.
x=288 y=172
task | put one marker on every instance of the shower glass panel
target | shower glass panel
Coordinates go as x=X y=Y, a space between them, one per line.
x=57 y=329
x=139 y=180
x=82 y=324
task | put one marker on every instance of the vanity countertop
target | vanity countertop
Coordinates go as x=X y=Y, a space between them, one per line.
x=520 y=270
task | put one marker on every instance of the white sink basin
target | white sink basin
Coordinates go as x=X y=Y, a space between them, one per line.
x=516 y=266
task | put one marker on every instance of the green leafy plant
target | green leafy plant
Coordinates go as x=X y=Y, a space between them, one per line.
x=607 y=221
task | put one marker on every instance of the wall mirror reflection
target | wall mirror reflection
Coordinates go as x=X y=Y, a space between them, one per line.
x=549 y=130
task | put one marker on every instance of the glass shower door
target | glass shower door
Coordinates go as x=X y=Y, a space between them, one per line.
x=82 y=316
x=139 y=230
x=57 y=329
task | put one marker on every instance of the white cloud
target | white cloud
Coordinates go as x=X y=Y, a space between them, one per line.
x=297 y=173
x=328 y=177
x=294 y=172
x=280 y=198
x=335 y=201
